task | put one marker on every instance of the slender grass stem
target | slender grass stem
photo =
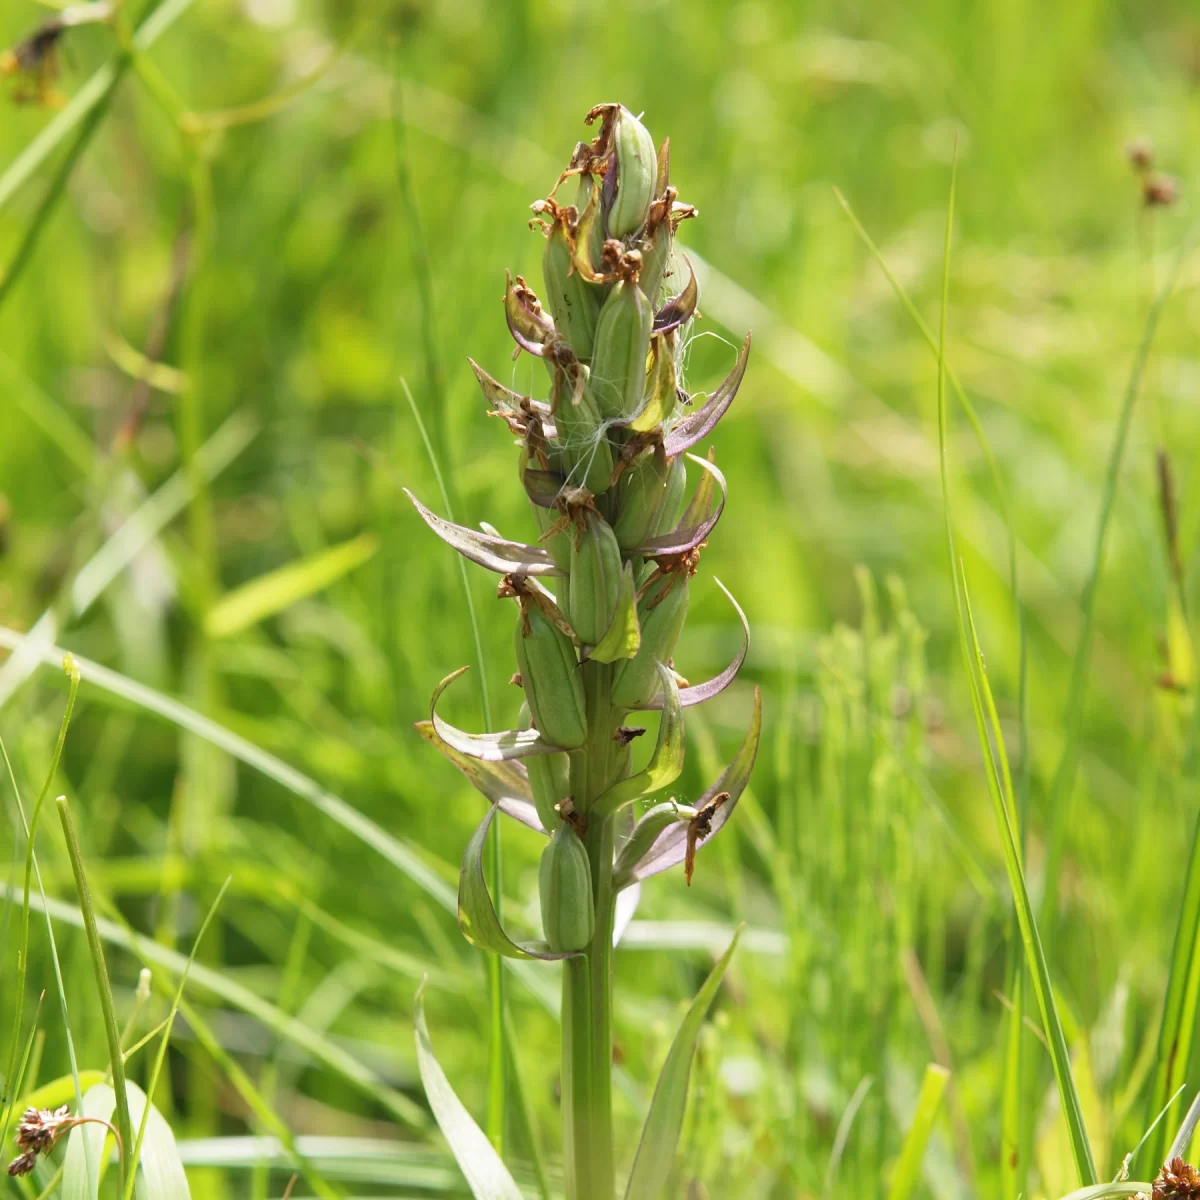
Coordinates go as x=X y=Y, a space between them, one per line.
x=72 y=670
x=1064 y=775
x=108 y=1010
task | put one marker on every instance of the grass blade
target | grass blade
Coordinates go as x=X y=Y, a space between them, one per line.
x=1064 y=775
x=660 y=1133
x=908 y=1169
x=483 y=1168
x=324 y=1051
x=160 y=1058
x=999 y=778
x=112 y=1030
x=92 y=93
x=397 y=852
x=31 y=867
x=271 y=593
x=162 y=1176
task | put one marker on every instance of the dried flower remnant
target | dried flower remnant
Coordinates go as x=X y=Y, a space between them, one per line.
x=38 y=1132
x=34 y=61
x=1178 y=1180
x=699 y=827
x=1158 y=190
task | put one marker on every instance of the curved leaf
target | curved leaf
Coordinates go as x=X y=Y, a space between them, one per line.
x=490 y=747
x=699 y=424
x=660 y=1133
x=670 y=847
x=665 y=763
x=505 y=784
x=542 y=487
x=499 y=398
x=691 y=530
x=160 y=1173
x=476 y=912
x=700 y=692
x=624 y=634
x=679 y=309
x=496 y=553
x=486 y=1175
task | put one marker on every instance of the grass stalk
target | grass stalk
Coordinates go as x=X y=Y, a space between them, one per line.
x=1064 y=775
x=999 y=778
x=108 y=1010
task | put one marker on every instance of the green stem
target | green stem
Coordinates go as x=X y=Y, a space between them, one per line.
x=600 y=851
x=577 y=1075
x=103 y=986
x=587 y=981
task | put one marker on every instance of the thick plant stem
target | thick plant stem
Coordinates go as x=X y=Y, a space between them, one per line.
x=577 y=1073
x=600 y=850
x=587 y=981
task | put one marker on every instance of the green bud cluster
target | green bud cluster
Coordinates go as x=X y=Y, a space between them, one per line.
x=603 y=592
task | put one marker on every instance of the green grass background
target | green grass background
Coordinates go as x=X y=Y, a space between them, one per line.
x=865 y=859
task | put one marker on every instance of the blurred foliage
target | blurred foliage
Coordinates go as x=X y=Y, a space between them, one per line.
x=286 y=295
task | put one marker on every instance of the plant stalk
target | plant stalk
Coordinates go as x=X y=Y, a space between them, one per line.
x=587 y=980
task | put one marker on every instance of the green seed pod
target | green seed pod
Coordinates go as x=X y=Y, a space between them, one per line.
x=573 y=301
x=640 y=493
x=558 y=543
x=637 y=174
x=635 y=680
x=585 y=449
x=594 y=587
x=618 y=378
x=674 y=498
x=549 y=780
x=550 y=675
x=656 y=254
x=565 y=892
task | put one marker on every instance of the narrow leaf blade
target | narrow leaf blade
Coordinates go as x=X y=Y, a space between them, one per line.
x=698 y=425
x=486 y=549
x=660 y=1134
x=691 y=530
x=908 y=1169
x=279 y=589
x=670 y=847
x=477 y=914
x=490 y=747
x=700 y=692
x=505 y=784
x=486 y=1175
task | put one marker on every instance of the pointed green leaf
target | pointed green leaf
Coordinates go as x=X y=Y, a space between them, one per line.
x=490 y=747
x=700 y=692
x=487 y=549
x=665 y=763
x=477 y=914
x=694 y=526
x=670 y=847
x=160 y=1173
x=624 y=635
x=660 y=1133
x=279 y=589
x=505 y=784
x=908 y=1169
x=486 y=1175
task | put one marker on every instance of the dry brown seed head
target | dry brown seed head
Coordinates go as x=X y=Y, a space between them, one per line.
x=1160 y=191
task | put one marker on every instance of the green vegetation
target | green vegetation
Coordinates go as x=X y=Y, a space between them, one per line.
x=245 y=249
